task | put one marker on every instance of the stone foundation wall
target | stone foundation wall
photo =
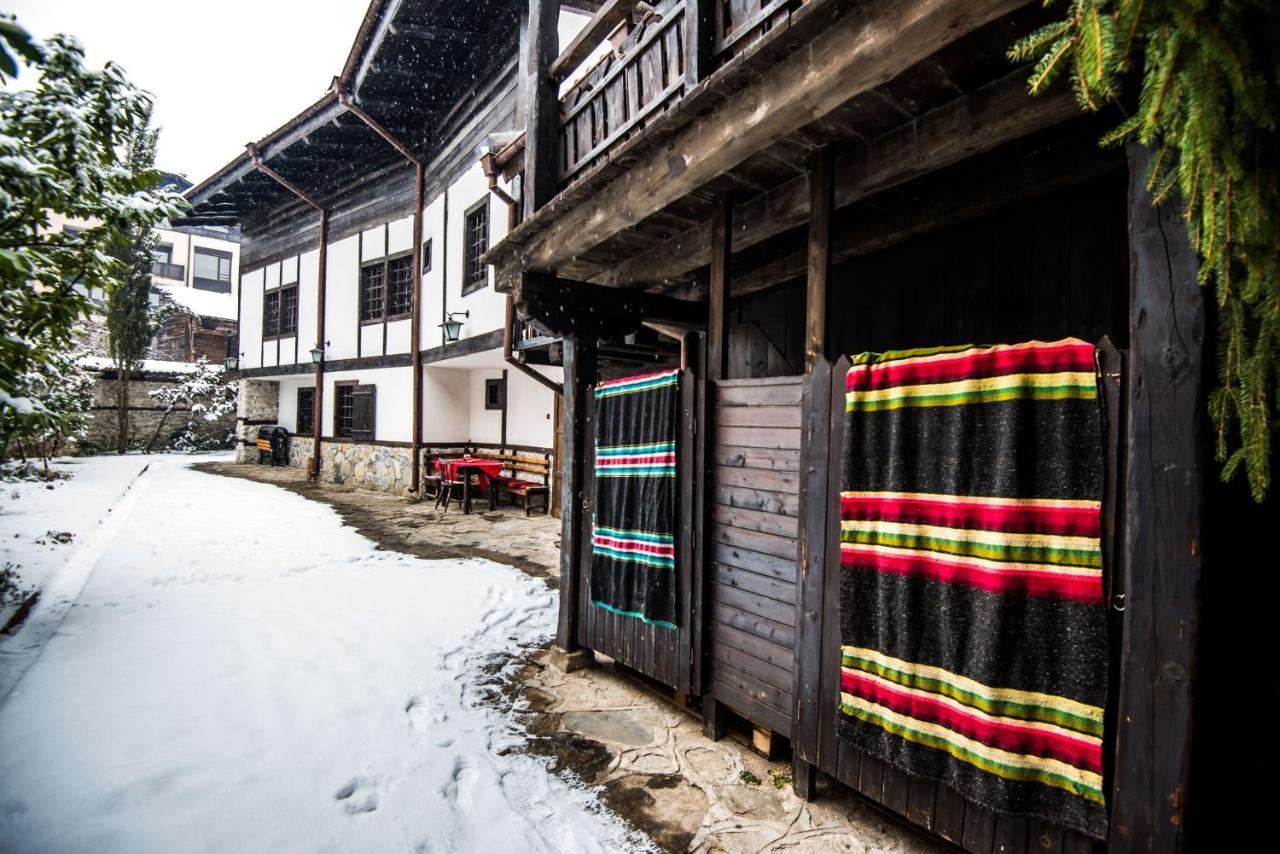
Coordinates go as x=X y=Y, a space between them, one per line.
x=258 y=404
x=372 y=466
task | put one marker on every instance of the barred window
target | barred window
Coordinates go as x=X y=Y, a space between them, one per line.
x=400 y=286
x=306 y=412
x=271 y=314
x=475 y=236
x=289 y=310
x=373 y=290
x=344 y=409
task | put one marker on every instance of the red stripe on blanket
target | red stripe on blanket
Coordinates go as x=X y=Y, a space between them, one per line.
x=1027 y=582
x=634 y=546
x=1012 y=737
x=988 y=363
x=990 y=516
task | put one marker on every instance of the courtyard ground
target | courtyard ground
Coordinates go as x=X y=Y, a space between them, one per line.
x=226 y=667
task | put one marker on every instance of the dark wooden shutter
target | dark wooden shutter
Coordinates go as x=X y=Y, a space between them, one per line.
x=363 y=411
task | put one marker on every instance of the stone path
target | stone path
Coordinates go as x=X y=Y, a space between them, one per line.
x=652 y=763
x=687 y=792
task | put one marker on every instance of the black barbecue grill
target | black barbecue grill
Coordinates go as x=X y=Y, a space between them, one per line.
x=273 y=442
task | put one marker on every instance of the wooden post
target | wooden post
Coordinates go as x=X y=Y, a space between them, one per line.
x=815 y=438
x=717 y=361
x=1162 y=527
x=579 y=374
x=822 y=188
x=542 y=107
x=415 y=330
x=700 y=35
x=718 y=291
x=317 y=399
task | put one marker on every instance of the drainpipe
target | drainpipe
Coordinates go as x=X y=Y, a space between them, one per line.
x=487 y=162
x=317 y=414
x=415 y=331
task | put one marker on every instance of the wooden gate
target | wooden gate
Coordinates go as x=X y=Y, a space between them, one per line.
x=754 y=493
x=660 y=653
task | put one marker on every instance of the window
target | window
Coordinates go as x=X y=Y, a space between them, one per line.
x=426 y=257
x=280 y=312
x=306 y=412
x=162 y=253
x=386 y=289
x=354 y=410
x=211 y=269
x=495 y=393
x=475 y=236
x=271 y=314
x=400 y=286
x=373 y=290
x=289 y=310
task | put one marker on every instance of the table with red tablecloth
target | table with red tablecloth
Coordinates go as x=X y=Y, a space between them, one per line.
x=462 y=468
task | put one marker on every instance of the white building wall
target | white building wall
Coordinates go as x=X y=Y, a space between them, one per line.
x=446 y=406
x=486 y=424
x=341 y=288
x=394 y=400
x=308 y=283
x=251 y=319
x=531 y=408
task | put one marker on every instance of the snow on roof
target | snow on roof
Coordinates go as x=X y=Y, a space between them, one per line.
x=203 y=303
x=159 y=366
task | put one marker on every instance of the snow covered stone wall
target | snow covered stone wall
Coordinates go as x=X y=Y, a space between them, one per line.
x=147 y=416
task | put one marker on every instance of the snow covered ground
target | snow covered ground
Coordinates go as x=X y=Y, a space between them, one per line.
x=242 y=673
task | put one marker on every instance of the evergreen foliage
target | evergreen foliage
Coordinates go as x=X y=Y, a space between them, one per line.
x=1209 y=73
x=63 y=156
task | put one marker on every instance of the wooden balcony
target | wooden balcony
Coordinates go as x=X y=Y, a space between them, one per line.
x=646 y=71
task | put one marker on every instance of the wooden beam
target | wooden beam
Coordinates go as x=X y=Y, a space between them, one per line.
x=995 y=114
x=579 y=374
x=604 y=22
x=1012 y=184
x=865 y=48
x=562 y=306
x=821 y=207
x=1163 y=512
x=718 y=291
x=542 y=107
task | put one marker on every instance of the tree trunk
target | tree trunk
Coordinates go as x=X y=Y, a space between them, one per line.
x=122 y=410
x=163 y=418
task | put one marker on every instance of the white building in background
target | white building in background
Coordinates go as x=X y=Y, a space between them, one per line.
x=448 y=93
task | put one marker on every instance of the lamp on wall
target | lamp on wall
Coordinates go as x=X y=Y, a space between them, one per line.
x=317 y=354
x=451 y=327
x=232 y=362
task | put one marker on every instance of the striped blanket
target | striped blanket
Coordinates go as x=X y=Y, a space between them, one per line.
x=974 y=641
x=633 y=552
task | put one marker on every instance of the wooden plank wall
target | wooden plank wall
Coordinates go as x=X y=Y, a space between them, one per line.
x=755 y=495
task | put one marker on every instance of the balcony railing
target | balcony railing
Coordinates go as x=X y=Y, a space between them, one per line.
x=162 y=270
x=646 y=73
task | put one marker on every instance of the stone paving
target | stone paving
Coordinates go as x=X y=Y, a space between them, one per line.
x=649 y=759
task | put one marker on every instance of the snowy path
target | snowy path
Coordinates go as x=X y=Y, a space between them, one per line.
x=240 y=673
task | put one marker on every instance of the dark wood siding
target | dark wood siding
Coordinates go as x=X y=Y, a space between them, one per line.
x=755 y=500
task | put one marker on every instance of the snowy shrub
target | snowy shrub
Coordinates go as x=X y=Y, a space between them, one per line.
x=11 y=589
x=204 y=397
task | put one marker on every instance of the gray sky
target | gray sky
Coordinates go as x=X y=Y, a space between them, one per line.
x=223 y=72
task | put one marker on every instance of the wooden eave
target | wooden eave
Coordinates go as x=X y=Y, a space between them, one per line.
x=411 y=63
x=962 y=90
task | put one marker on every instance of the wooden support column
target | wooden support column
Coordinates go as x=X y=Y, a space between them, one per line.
x=579 y=374
x=542 y=107
x=718 y=290
x=714 y=720
x=815 y=437
x=1163 y=511
x=317 y=398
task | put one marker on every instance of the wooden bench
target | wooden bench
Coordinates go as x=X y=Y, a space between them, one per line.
x=530 y=492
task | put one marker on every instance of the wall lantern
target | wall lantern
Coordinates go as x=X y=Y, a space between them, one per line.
x=453 y=327
x=317 y=354
x=232 y=362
